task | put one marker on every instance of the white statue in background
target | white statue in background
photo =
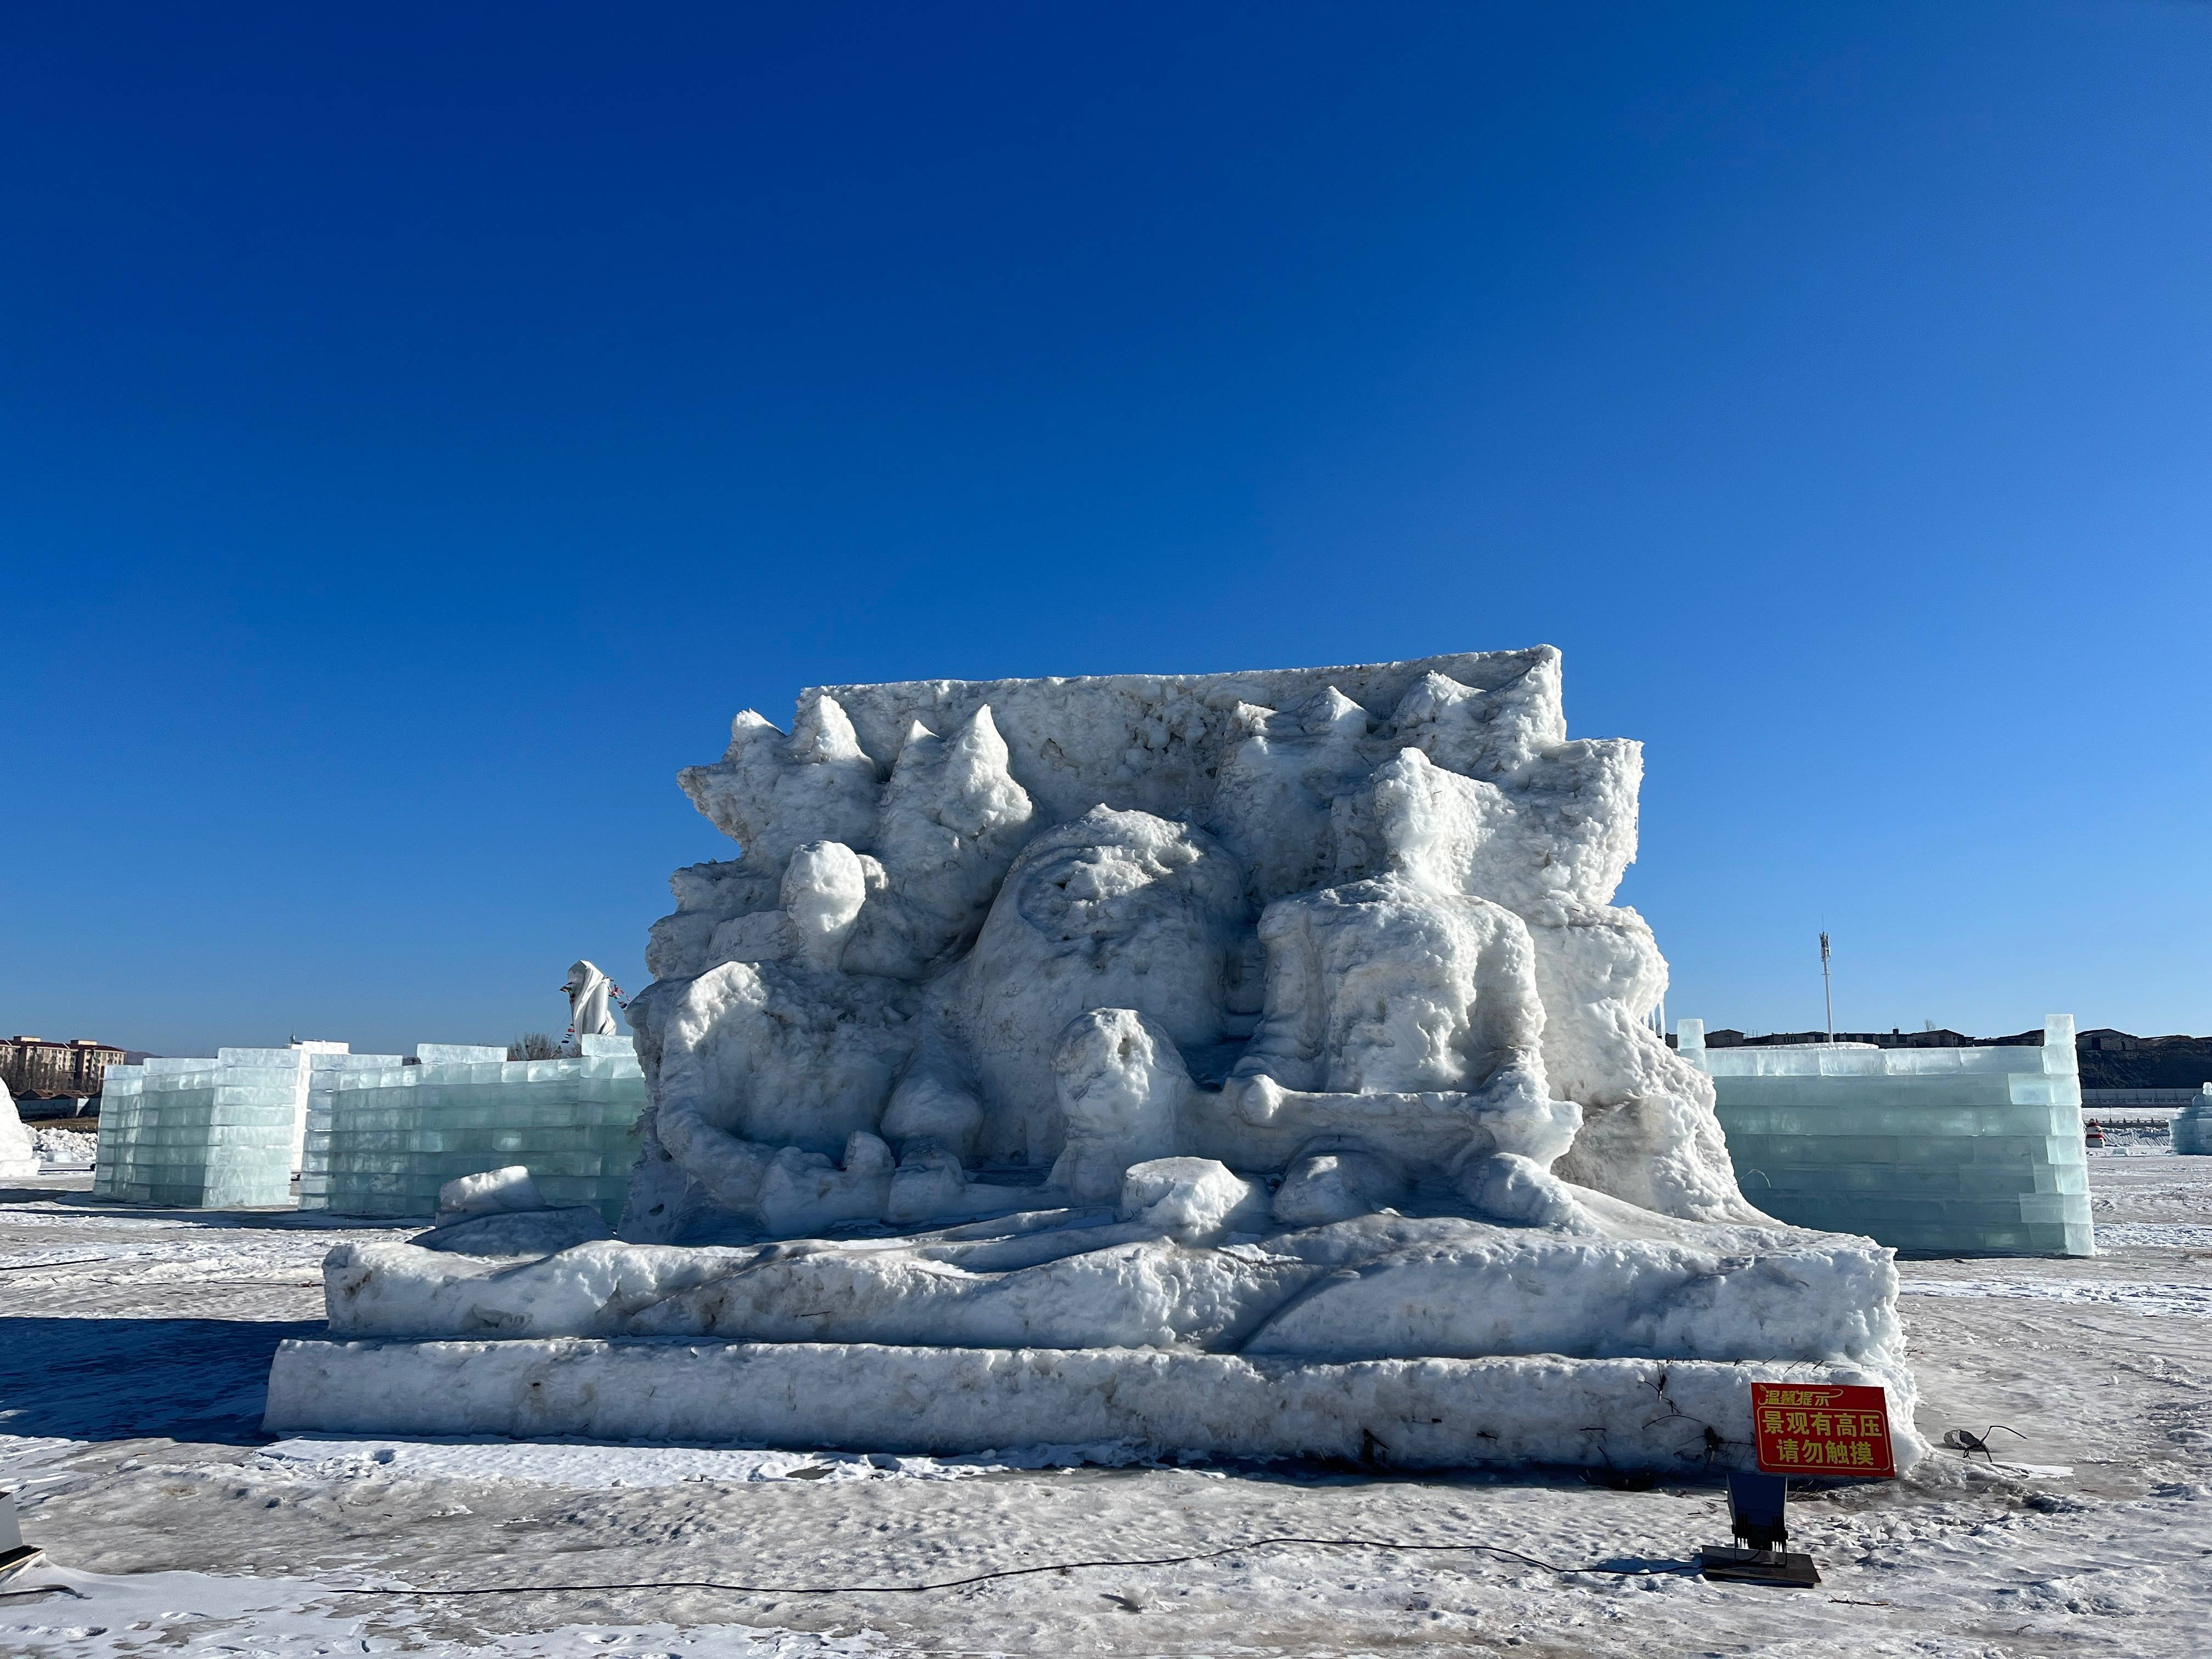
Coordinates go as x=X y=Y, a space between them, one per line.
x=589 y=995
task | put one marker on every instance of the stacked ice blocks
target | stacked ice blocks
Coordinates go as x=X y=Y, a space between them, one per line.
x=1951 y=1150
x=201 y=1134
x=309 y=1055
x=393 y=1134
x=315 y=1135
x=2192 y=1127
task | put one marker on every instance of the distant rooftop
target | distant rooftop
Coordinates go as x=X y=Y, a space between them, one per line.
x=2102 y=1040
x=2110 y=1059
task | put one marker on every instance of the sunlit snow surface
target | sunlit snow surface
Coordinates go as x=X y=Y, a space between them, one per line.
x=2152 y=1301
x=130 y=1394
x=2157 y=1235
x=590 y=1464
x=194 y=1613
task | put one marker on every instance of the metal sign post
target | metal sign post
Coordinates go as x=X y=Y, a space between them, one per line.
x=1828 y=1431
x=1827 y=988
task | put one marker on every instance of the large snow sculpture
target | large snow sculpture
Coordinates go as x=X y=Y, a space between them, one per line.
x=1331 y=908
x=1201 y=1026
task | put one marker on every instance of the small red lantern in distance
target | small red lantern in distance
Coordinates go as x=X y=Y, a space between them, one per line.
x=1829 y=1430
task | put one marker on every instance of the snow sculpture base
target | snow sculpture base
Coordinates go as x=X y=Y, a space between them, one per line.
x=1399 y=1414
x=1442 y=1337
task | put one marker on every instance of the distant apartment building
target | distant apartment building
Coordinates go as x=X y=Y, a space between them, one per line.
x=35 y=1069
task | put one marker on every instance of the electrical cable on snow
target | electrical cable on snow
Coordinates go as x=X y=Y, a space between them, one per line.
x=30 y=1266
x=1021 y=1572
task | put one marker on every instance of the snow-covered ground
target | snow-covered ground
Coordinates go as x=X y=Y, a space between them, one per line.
x=133 y=1347
x=63 y=1149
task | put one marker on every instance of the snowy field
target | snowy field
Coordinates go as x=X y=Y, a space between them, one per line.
x=63 y=1149
x=133 y=1347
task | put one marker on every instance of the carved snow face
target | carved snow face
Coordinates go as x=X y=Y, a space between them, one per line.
x=1114 y=910
x=1098 y=891
x=1124 y=893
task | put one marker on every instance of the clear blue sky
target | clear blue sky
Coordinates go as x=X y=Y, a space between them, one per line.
x=422 y=427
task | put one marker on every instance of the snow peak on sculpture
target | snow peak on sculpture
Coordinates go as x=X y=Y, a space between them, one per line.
x=1199 y=1025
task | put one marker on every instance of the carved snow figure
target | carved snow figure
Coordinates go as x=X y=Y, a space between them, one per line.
x=1055 y=1050
x=589 y=991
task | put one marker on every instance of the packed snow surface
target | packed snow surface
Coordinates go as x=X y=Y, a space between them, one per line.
x=177 y=1527
x=589 y=1465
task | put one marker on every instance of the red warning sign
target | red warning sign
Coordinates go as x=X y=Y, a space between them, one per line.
x=1825 y=1429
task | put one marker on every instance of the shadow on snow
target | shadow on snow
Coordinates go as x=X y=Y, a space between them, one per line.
x=201 y=1380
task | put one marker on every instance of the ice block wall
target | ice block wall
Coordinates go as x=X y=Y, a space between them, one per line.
x=392 y=1135
x=308 y=1053
x=2192 y=1127
x=1972 y=1150
x=201 y=1134
x=315 y=1132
